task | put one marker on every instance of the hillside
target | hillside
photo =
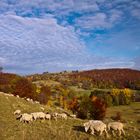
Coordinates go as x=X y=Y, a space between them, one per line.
x=71 y=129
x=108 y=78
x=104 y=78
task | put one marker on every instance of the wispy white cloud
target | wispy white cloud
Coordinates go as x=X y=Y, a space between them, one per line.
x=31 y=42
x=99 y=20
x=136 y=13
x=57 y=7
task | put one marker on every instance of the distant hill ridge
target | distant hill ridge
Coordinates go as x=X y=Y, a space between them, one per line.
x=98 y=78
x=121 y=78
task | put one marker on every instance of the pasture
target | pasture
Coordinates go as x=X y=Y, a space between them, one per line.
x=71 y=129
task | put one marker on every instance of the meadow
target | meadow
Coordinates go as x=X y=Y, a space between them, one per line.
x=71 y=129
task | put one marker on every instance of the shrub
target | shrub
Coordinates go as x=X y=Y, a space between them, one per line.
x=44 y=95
x=115 y=100
x=91 y=108
x=24 y=88
x=122 y=96
x=73 y=105
x=108 y=99
x=99 y=108
x=85 y=108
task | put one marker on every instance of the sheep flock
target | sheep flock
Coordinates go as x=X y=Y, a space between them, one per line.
x=91 y=126
x=28 y=118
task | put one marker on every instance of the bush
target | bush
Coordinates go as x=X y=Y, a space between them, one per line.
x=115 y=97
x=91 y=108
x=44 y=95
x=73 y=105
x=108 y=100
x=99 y=108
x=115 y=100
x=105 y=95
x=85 y=108
x=24 y=88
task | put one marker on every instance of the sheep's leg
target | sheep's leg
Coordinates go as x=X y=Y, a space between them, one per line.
x=123 y=131
x=106 y=133
x=119 y=132
x=113 y=133
x=101 y=132
x=92 y=130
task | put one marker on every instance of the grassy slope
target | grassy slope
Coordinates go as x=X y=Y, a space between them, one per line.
x=12 y=129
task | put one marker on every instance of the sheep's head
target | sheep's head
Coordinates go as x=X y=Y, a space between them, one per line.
x=86 y=125
x=18 y=116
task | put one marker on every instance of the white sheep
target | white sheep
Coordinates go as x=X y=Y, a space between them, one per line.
x=17 y=96
x=55 y=115
x=17 y=112
x=117 y=126
x=42 y=115
x=35 y=115
x=28 y=99
x=36 y=102
x=48 y=116
x=26 y=118
x=10 y=95
x=63 y=116
x=73 y=116
x=38 y=115
x=87 y=124
x=97 y=125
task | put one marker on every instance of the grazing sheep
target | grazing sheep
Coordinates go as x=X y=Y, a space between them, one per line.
x=38 y=115
x=73 y=116
x=17 y=112
x=55 y=116
x=26 y=118
x=35 y=115
x=17 y=96
x=63 y=116
x=28 y=99
x=42 y=115
x=87 y=124
x=117 y=126
x=48 y=116
x=36 y=102
x=96 y=125
x=10 y=95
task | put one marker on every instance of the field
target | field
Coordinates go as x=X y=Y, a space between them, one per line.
x=71 y=129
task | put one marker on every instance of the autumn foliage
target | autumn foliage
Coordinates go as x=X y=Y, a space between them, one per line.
x=108 y=78
x=73 y=105
x=44 y=95
x=24 y=88
x=88 y=107
x=99 y=108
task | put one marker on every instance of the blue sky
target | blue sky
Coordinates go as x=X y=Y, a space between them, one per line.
x=56 y=35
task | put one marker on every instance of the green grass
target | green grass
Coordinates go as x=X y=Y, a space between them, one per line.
x=71 y=129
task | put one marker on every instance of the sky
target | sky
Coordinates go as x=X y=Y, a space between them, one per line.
x=56 y=35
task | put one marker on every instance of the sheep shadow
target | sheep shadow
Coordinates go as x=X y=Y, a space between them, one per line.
x=79 y=128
